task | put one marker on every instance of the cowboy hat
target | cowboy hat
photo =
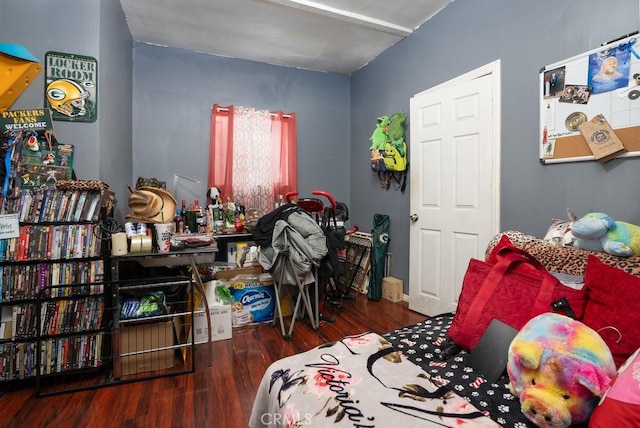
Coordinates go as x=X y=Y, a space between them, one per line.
x=152 y=205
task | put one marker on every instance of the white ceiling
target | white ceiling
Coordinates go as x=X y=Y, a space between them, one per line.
x=339 y=36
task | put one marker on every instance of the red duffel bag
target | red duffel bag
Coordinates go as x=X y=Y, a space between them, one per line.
x=514 y=290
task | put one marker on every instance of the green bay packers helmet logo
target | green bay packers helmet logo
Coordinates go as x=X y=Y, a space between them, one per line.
x=67 y=97
x=383 y=238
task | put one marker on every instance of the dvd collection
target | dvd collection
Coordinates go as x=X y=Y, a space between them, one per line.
x=52 y=243
x=54 y=205
x=51 y=283
x=18 y=360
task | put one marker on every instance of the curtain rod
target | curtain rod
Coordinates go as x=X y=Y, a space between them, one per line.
x=286 y=116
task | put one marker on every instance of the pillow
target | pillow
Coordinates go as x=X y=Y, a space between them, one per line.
x=612 y=307
x=620 y=405
x=569 y=260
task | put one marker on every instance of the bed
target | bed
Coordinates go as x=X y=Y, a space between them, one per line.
x=360 y=381
x=403 y=378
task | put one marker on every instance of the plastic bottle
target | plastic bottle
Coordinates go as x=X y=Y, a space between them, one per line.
x=210 y=226
x=279 y=202
x=252 y=257
x=231 y=254
x=201 y=218
x=183 y=214
x=179 y=222
x=190 y=219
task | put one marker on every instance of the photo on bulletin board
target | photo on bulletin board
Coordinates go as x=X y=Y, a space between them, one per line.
x=553 y=82
x=603 y=81
x=609 y=69
x=575 y=94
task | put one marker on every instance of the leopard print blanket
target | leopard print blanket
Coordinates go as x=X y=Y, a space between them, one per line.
x=567 y=260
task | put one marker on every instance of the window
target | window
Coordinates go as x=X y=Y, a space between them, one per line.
x=253 y=155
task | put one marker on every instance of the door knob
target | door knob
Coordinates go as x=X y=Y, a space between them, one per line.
x=413 y=218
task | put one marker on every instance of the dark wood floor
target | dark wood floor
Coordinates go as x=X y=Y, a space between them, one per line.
x=221 y=391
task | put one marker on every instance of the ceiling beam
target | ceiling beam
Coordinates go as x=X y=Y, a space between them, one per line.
x=345 y=15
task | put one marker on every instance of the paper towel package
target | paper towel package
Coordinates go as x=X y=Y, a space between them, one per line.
x=253 y=299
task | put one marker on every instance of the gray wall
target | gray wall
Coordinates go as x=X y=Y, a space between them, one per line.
x=115 y=110
x=525 y=36
x=95 y=28
x=154 y=104
x=173 y=91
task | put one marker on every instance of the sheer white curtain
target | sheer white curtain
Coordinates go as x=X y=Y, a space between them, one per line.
x=252 y=163
x=253 y=155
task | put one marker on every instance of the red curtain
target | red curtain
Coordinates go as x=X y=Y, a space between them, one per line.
x=221 y=149
x=284 y=165
x=284 y=152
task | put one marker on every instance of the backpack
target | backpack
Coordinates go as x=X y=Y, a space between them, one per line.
x=395 y=159
x=389 y=160
x=395 y=165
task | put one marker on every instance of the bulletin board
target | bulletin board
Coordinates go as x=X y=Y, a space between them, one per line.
x=606 y=81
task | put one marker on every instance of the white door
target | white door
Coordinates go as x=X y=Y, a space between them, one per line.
x=454 y=173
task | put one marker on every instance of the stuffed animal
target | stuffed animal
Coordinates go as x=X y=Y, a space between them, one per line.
x=214 y=196
x=558 y=367
x=379 y=136
x=600 y=232
x=561 y=230
x=396 y=127
x=396 y=134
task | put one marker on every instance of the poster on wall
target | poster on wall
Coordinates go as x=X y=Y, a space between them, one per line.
x=601 y=83
x=34 y=157
x=71 y=86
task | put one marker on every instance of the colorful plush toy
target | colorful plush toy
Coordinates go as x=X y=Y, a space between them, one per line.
x=561 y=229
x=558 y=367
x=396 y=127
x=379 y=137
x=600 y=232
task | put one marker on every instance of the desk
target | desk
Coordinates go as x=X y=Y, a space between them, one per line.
x=188 y=257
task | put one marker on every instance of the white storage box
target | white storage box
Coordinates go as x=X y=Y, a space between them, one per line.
x=220 y=323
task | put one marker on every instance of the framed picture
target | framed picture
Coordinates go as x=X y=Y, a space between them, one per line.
x=71 y=87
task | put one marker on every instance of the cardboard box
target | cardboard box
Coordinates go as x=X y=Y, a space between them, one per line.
x=220 y=321
x=228 y=274
x=145 y=342
x=286 y=305
x=392 y=289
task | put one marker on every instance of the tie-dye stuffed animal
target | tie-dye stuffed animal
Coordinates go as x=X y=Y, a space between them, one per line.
x=600 y=232
x=558 y=367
